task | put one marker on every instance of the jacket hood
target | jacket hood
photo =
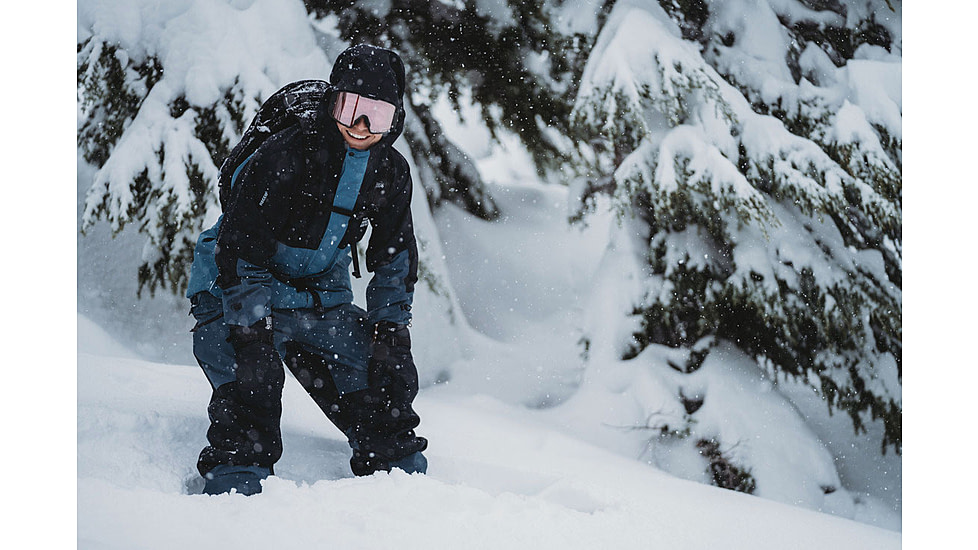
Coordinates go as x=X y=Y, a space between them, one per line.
x=373 y=72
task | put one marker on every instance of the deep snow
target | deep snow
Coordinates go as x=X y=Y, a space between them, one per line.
x=499 y=477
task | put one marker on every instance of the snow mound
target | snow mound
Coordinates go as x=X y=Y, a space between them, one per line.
x=499 y=477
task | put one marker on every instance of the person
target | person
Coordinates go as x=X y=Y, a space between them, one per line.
x=270 y=282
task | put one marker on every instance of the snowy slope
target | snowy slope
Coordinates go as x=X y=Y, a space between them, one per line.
x=499 y=477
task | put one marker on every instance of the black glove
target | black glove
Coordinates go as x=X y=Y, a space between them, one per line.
x=259 y=333
x=391 y=366
x=259 y=372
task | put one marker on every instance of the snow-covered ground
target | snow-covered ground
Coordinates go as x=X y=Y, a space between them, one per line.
x=534 y=439
x=499 y=477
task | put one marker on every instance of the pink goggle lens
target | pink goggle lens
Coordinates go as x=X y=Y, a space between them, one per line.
x=350 y=107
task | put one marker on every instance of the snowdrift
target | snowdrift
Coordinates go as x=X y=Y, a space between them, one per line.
x=498 y=478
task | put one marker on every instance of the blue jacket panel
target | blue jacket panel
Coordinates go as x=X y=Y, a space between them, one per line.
x=203 y=272
x=386 y=298
x=332 y=288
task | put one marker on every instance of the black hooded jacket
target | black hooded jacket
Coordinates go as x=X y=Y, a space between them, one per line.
x=284 y=196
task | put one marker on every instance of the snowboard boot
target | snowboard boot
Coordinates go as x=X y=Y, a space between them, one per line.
x=413 y=464
x=245 y=480
x=365 y=464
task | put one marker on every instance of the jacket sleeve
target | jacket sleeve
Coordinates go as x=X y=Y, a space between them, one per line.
x=392 y=253
x=244 y=245
x=203 y=270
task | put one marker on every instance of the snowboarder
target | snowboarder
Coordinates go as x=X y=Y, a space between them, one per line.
x=270 y=281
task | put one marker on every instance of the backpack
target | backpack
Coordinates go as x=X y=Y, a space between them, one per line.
x=295 y=103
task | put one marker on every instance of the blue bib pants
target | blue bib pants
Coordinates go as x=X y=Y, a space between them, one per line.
x=326 y=351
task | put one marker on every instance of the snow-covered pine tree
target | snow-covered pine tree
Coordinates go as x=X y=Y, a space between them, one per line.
x=112 y=88
x=755 y=148
x=157 y=115
x=513 y=59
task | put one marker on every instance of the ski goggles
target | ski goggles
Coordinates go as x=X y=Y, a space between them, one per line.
x=349 y=107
